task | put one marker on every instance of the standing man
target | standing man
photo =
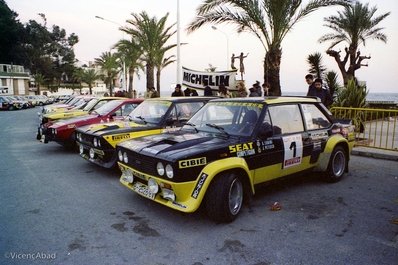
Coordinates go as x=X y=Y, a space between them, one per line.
x=322 y=93
x=310 y=81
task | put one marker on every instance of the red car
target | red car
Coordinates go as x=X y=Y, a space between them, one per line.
x=63 y=131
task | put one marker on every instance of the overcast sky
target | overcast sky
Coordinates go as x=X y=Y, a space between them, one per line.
x=207 y=46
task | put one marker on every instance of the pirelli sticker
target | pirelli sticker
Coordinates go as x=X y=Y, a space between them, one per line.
x=199 y=185
x=192 y=162
x=121 y=137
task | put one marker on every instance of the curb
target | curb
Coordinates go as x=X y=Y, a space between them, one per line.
x=377 y=155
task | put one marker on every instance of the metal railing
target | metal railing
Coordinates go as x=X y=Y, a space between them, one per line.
x=376 y=128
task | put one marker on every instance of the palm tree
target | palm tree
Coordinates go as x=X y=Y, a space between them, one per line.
x=39 y=80
x=151 y=35
x=161 y=63
x=89 y=76
x=77 y=78
x=130 y=53
x=109 y=64
x=316 y=66
x=353 y=26
x=332 y=83
x=268 y=20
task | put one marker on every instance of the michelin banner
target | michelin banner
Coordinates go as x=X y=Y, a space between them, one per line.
x=197 y=79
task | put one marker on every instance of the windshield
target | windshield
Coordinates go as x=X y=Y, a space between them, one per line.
x=90 y=104
x=150 y=111
x=107 y=108
x=230 y=118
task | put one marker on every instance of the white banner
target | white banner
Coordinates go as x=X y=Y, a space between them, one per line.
x=196 y=79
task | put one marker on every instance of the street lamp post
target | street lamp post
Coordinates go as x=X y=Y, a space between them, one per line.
x=178 y=44
x=124 y=60
x=226 y=37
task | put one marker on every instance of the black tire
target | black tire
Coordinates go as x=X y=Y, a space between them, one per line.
x=337 y=165
x=224 y=198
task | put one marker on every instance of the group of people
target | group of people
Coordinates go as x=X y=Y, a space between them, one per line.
x=315 y=89
x=188 y=92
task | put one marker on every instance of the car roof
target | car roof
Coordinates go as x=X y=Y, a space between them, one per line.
x=271 y=100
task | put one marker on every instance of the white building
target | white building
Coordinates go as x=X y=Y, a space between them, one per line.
x=14 y=80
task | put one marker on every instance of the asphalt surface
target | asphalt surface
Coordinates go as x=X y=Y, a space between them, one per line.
x=57 y=208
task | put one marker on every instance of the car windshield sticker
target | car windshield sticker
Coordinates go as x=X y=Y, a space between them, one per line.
x=192 y=162
x=245 y=104
x=293 y=145
x=166 y=103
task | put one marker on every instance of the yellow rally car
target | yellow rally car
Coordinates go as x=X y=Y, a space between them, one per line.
x=230 y=146
x=97 y=142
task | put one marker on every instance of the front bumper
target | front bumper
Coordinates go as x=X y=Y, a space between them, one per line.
x=104 y=158
x=183 y=200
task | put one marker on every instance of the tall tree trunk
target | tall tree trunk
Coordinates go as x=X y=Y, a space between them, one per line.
x=131 y=79
x=272 y=65
x=90 y=88
x=158 y=81
x=150 y=82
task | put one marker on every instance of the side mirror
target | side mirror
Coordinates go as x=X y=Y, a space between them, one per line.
x=265 y=131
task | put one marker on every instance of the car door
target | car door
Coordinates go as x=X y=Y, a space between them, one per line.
x=317 y=125
x=294 y=148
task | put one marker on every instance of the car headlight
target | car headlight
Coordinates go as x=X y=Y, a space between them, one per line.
x=128 y=176
x=55 y=131
x=95 y=142
x=169 y=171
x=153 y=186
x=92 y=153
x=125 y=158
x=120 y=155
x=81 y=149
x=160 y=168
x=78 y=137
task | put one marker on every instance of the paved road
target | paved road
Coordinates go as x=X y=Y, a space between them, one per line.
x=56 y=205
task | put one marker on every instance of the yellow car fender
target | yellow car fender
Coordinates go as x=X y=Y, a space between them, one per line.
x=217 y=167
x=324 y=158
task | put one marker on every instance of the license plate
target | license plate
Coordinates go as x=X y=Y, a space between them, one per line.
x=143 y=190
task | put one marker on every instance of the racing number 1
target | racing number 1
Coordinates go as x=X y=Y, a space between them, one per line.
x=293 y=150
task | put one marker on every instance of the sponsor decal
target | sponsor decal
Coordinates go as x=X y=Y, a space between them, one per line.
x=241 y=150
x=192 y=162
x=197 y=79
x=245 y=104
x=120 y=137
x=71 y=126
x=199 y=185
x=319 y=135
x=293 y=147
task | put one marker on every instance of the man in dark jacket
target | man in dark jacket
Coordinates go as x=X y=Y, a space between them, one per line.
x=322 y=93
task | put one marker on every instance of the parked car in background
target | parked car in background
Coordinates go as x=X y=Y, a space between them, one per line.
x=230 y=146
x=10 y=103
x=81 y=110
x=97 y=142
x=63 y=131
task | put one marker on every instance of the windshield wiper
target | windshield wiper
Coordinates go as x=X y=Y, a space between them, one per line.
x=221 y=129
x=192 y=125
x=142 y=118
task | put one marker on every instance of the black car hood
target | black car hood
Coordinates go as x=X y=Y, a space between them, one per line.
x=116 y=127
x=177 y=145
